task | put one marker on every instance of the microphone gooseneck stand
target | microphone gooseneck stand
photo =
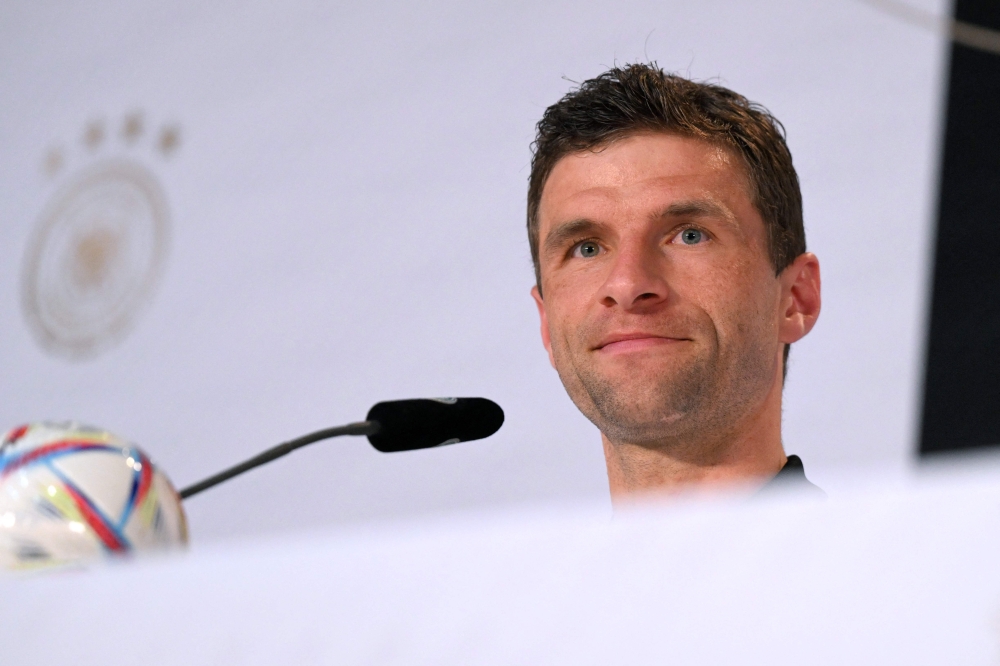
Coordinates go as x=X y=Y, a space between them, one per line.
x=359 y=428
x=392 y=426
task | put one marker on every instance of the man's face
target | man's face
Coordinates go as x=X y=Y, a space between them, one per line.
x=659 y=303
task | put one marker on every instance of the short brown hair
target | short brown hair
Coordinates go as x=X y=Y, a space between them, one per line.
x=625 y=101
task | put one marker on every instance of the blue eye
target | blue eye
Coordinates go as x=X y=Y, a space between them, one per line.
x=588 y=249
x=692 y=236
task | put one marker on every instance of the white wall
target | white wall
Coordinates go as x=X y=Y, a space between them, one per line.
x=347 y=207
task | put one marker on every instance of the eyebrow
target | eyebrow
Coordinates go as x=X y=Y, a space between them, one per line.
x=698 y=208
x=569 y=231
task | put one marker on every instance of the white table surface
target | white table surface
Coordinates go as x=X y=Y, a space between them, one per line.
x=889 y=573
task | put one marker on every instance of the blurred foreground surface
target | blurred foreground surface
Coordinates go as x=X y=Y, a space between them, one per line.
x=900 y=572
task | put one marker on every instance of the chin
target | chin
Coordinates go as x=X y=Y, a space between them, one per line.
x=645 y=374
x=639 y=429
x=638 y=415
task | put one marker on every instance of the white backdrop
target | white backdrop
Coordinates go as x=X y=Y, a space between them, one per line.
x=347 y=215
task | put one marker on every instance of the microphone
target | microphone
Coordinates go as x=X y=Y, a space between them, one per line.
x=406 y=425
x=398 y=425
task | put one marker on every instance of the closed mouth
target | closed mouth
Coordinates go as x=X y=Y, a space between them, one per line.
x=636 y=340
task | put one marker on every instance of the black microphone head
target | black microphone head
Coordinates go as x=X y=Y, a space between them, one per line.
x=405 y=425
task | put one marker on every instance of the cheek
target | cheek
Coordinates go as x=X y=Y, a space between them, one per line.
x=578 y=277
x=562 y=320
x=567 y=296
x=753 y=315
x=738 y=297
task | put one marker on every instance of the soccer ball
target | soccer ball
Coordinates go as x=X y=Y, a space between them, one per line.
x=70 y=492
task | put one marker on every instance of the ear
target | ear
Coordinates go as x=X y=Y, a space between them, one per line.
x=546 y=340
x=800 y=298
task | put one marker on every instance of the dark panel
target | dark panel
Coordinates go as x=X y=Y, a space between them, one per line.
x=962 y=381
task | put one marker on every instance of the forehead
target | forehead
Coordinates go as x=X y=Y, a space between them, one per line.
x=644 y=169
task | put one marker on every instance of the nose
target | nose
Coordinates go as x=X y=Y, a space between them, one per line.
x=637 y=278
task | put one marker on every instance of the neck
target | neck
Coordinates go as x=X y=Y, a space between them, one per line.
x=747 y=453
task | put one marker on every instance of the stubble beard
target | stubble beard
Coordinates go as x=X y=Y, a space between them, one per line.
x=697 y=400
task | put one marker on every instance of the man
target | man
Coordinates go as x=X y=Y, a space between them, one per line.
x=665 y=224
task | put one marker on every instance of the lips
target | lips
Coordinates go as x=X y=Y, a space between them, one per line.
x=634 y=341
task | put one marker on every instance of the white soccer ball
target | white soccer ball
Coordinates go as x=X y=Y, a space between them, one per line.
x=69 y=493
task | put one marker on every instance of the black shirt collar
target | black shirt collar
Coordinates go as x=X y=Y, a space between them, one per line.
x=793 y=474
